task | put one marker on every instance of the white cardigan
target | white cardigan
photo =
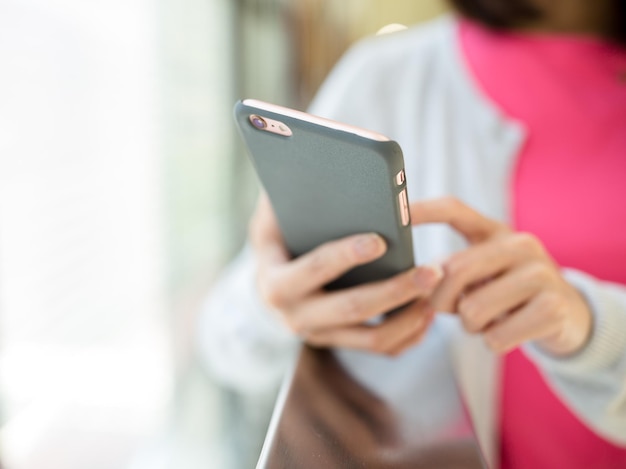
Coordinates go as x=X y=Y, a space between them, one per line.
x=414 y=87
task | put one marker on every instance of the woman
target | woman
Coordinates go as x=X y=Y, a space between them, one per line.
x=516 y=109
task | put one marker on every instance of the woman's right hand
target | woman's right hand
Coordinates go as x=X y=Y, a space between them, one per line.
x=293 y=288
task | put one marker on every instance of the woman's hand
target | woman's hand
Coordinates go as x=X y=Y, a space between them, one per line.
x=505 y=285
x=294 y=290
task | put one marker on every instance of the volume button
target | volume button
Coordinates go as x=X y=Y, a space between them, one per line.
x=400 y=178
x=404 y=207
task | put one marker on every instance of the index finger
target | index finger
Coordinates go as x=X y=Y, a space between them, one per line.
x=451 y=211
x=311 y=271
x=291 y=279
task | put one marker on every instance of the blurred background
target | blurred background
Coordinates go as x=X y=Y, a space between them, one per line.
x=123 y=191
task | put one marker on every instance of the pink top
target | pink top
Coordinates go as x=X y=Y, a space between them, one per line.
x=569 y=189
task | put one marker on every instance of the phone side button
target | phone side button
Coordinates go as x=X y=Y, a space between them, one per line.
x=400 y=178
x=404 y=207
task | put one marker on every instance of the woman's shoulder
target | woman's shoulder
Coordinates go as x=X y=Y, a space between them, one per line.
x=420 y=42
x=378 y=67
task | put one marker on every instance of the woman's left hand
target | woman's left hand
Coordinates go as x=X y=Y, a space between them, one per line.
x=505 y=285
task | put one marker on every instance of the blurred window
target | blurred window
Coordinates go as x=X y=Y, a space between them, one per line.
x=123 y=190
x=84 y=359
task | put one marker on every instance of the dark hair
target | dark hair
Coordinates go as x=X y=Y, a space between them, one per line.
x=502 y=14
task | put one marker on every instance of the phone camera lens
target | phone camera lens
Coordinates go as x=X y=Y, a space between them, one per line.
x=258 y=121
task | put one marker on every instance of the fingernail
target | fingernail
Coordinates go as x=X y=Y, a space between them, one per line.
x=368 y=245
x=427 y=276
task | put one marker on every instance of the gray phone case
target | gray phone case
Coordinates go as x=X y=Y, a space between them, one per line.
x=325 y=184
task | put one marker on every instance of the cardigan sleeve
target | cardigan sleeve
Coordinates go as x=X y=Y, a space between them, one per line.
x=593 y=382
x=244 y=346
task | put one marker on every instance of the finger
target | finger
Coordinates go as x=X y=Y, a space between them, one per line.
x=356 y=305
x=416 y=337
x=281 y=281
x=265 y=235
x=467 y=268
x=467 y=221
x=536 y=320
x=508 y=292
x=311 y=271
x=381 y=338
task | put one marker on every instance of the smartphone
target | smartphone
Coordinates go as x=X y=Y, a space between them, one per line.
x=327 y=180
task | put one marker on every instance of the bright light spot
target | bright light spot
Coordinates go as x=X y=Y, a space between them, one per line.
x=391 y=28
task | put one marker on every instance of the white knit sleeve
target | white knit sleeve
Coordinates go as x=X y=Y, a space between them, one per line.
x=244 y=345
x=593 y=382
